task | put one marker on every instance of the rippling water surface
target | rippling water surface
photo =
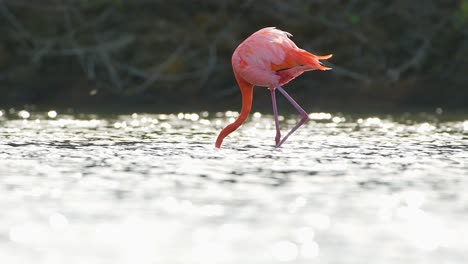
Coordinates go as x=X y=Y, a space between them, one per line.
x=151 y=188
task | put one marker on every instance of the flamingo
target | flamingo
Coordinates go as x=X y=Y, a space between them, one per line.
x=268 y=58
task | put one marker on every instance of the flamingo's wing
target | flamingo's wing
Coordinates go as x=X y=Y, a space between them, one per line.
x=258 y=76
x=289 y=61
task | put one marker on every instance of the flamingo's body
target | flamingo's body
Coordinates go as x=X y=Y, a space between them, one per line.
x=270 y=59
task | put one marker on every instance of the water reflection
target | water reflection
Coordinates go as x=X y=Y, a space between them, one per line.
x=52 y=114
x=403 y=213
x=284 y=251
x=151 y=188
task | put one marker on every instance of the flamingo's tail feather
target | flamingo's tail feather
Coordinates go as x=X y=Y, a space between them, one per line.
x=314 y=61
x=324 y=57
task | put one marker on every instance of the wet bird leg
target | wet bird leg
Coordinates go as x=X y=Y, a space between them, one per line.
x=275 y=114
x=304 y=115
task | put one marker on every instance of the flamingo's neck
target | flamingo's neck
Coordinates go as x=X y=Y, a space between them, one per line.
x=247 y=96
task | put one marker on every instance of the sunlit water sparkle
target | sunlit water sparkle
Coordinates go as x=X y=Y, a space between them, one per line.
x=151 y=188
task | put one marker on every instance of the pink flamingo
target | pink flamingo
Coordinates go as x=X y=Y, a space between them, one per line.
x=270 y=59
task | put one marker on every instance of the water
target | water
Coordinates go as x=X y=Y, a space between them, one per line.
x=151 y=188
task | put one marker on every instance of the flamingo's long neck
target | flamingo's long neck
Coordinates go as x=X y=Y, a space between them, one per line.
x=247 y=95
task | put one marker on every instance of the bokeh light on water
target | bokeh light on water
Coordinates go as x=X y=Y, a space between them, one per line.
x=151 y=188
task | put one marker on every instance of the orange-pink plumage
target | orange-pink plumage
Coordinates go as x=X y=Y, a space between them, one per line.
x=270 y=59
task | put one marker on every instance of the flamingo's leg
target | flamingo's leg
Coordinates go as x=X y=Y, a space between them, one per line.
x=275 y=114
x=304 y=115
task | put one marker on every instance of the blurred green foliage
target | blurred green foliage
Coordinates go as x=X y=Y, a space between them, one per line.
x=386 y=53
x=354 y=19
x=463 y=11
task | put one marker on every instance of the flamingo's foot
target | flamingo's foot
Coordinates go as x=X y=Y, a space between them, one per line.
x=277 y=139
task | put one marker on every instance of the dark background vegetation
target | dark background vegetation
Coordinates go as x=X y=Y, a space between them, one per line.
x=176 y=54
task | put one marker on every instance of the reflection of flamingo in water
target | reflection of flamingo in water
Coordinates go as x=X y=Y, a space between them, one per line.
x=270 y=59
